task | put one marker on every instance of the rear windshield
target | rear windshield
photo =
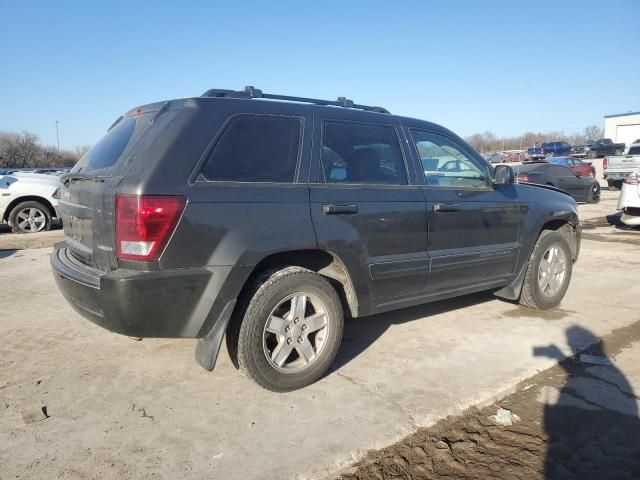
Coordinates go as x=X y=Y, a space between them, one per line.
x=104 y=154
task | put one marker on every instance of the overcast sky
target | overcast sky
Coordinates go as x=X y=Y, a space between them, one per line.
x=507 y=66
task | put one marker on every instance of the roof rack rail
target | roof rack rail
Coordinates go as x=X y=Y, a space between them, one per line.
x=252 y=92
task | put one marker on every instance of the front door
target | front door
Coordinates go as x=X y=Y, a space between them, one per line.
x=364 y=209
x=472 y=227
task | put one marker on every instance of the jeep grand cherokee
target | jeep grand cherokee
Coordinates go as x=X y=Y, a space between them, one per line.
x=263 y=218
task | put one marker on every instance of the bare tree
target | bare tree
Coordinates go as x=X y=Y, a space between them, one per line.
x=593 y=132
x=23 y=150
x=488 y=142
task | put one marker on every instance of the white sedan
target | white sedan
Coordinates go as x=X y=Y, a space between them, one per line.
x=629 y=201
x=29 y=201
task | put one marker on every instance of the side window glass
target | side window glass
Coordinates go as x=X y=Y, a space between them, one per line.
x=256 y=148
x=358 y=153
x=446 y=163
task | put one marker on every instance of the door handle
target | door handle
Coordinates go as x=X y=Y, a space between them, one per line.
x=445 y=207
x=328 y=209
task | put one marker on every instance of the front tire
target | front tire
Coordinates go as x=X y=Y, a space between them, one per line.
x=290 y=329
x=549 y=272
x=30 y=217
x=591 y=154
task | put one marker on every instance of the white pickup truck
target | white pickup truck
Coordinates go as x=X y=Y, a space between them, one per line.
x=28 y=201
x=618 y=167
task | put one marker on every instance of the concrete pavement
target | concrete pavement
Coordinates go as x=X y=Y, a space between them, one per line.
x=124 y=409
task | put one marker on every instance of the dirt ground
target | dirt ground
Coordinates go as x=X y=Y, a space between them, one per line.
x=590 y=433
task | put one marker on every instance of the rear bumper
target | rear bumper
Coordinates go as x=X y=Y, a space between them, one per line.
x=616 y=175
x=164 y=304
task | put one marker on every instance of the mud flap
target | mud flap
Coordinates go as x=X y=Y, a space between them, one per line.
x=512 y=291
x=208 y=347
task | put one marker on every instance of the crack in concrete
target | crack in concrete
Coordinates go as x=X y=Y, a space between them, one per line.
x=366 y=388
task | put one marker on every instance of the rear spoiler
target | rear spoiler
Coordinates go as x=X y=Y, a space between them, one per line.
x=158 y=108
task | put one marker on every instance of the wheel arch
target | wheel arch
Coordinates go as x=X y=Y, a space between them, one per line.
x=28 y=198
x=569 y=227
x=323 y=262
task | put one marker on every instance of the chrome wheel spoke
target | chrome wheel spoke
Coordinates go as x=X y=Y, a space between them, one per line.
x=306 y=351
x=281 y=353
x=298 y=306
x=276 y=325
x=315 y=322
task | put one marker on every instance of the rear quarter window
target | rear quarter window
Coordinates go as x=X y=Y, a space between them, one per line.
x=105 y=154
x=256 y=148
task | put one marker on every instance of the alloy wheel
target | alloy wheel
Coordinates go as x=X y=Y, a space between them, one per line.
x=31 y=220
x=295 y=332
x=552 y=270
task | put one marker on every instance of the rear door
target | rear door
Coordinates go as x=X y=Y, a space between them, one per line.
x=472 y=227
x=364 y=206
x=569 y=182
x=87 y=200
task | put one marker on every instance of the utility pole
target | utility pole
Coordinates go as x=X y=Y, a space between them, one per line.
x=57 y=135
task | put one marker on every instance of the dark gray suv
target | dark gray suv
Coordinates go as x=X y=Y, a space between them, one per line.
x=265 y=218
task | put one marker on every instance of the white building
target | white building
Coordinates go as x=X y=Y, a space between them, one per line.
x=623 y=127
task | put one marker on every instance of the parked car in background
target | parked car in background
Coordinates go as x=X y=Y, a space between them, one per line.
x=618 y=167
x=577 y=166
x=263 y=227
x=583 y=189
x=602 y=147
x=548 y=150
x=29 y=201
x=629 y=201
x=581 y=150
x=495 y=157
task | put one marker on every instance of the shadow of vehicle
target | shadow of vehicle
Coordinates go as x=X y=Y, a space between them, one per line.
x=592 y=424
x=360 y=333
x=4 y=253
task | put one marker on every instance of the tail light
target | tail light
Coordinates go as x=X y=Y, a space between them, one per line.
x=144 y=224
x=605 y=163
x=523 y=178
x=633 y=179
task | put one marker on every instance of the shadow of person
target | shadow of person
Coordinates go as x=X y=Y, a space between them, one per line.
x=592 y=422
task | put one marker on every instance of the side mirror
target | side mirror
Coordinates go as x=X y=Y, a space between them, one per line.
x=502 y=176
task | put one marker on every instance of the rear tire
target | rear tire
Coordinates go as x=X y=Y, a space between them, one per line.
x=618 y=152
x=549 y=272
x=30 y=217
x=594 y=193
x=288 y=330
x=591 y=154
